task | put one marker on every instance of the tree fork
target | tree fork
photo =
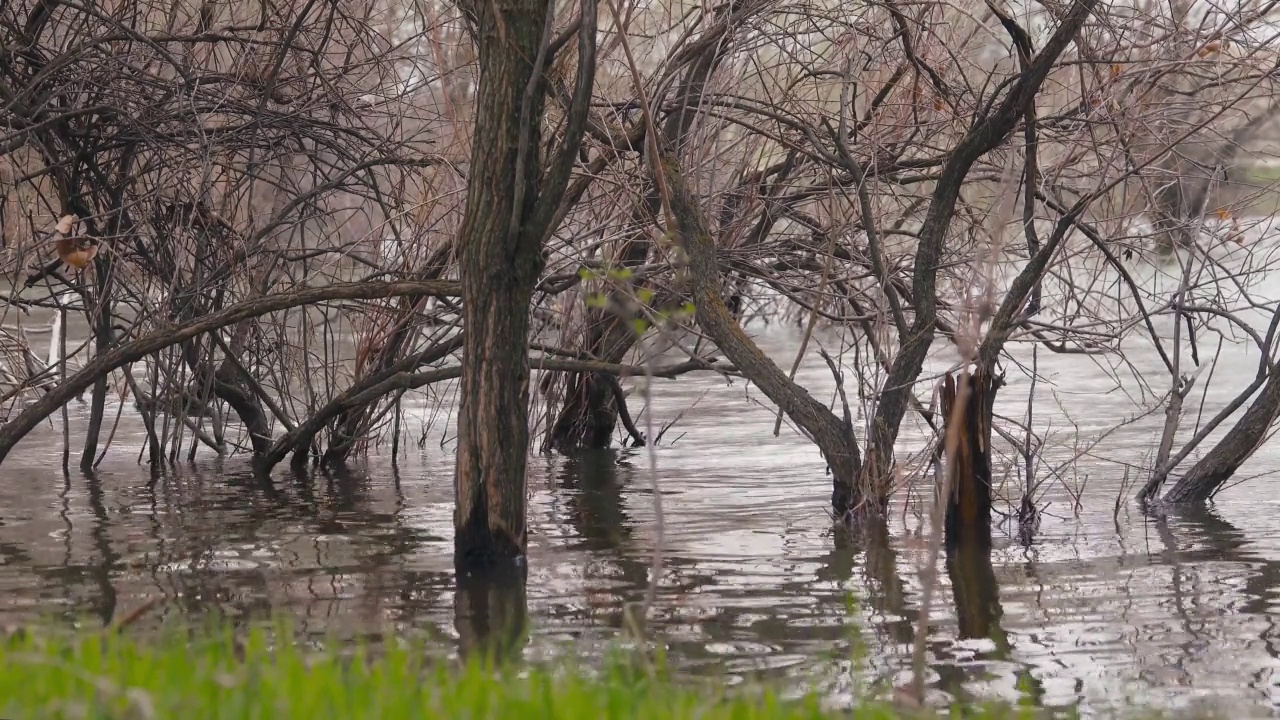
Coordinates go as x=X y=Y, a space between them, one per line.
x=833 y=437
x=510 y=211
x=986 y=133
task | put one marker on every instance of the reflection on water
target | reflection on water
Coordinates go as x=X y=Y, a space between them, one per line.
x=491 y=613
x=1098 y=612
x=1184 y=612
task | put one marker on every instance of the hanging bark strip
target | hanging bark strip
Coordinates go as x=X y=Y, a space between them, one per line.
x=967 y=404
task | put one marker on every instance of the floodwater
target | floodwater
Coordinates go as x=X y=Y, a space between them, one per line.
x=1105 y=609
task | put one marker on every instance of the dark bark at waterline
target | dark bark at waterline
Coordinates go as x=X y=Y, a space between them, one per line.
x=510 y=209
x=1207 y=477
x=977 y=594
x=967 y=407
x=588 y=417
x=228 y=386
x=589 y=413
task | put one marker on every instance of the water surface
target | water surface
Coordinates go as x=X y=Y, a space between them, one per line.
x=1101 y=611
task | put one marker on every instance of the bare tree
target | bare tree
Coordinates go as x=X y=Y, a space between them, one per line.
x=670 y=175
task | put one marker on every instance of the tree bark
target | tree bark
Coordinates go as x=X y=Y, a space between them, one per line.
x=588 y=417
x=499 y=266
x=832 y=435
x=509 y=213
x=1207 y=476
x=968 y=520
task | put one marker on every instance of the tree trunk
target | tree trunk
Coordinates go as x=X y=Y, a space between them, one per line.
x=977 y=595
x=1207 y=477
x=831 y=434
x=589 y=414
x=968 y=520
x=588 y=417
x=100 y=319
x=510 y=210
x=225 y=385
x=499 y=267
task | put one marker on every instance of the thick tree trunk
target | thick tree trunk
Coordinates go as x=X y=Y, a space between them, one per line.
x=1207 y=476
x=499 y=267
x=510 y=210
x=968 y=432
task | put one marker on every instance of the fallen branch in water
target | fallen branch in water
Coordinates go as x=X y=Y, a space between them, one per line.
x=121 y=355
x=375 y=386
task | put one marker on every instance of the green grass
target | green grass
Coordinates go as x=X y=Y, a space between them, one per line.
x=215 y=675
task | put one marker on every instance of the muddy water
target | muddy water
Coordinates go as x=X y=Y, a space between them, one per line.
x=1103 y=610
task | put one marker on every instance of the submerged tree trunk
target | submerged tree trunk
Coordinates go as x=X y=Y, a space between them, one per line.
x=589 y=413
x=833 y=436
x=588 y=417
x=1207 y=476
x=499 y=266
x=226 y=385
x=977 y=595
x=509 y=213
x=968 y=433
